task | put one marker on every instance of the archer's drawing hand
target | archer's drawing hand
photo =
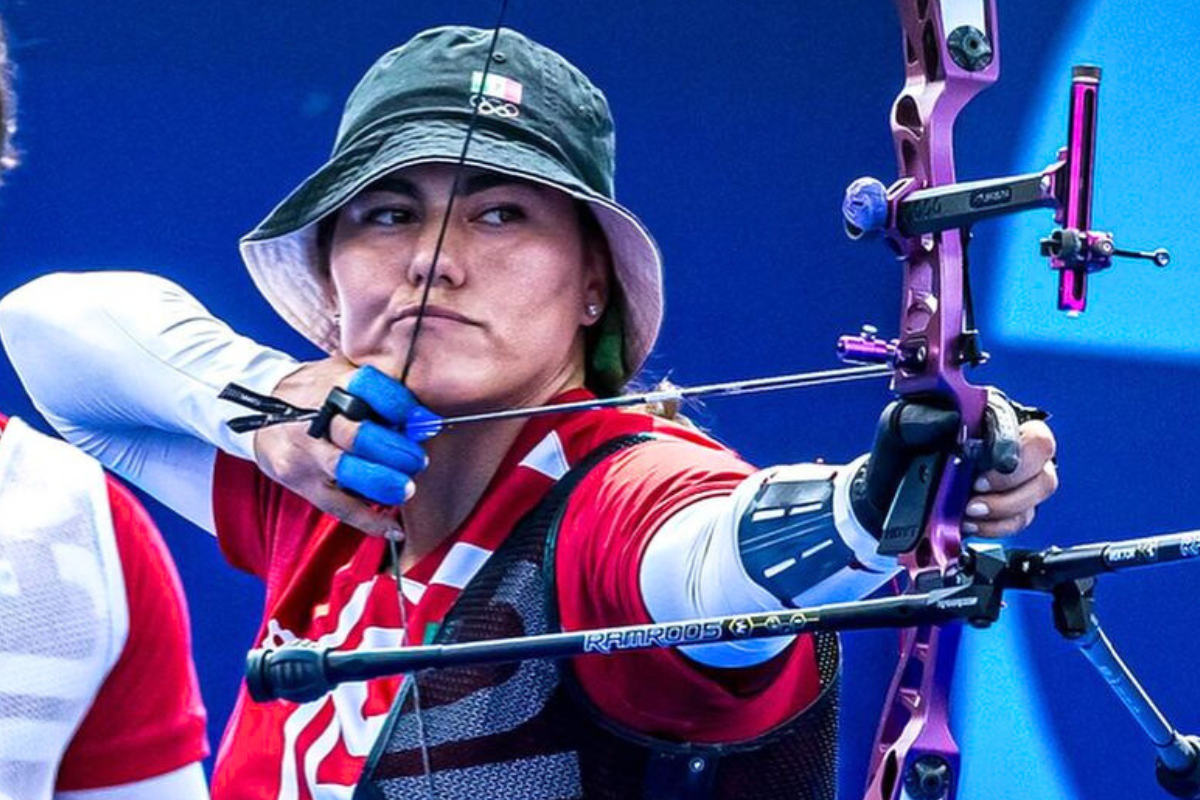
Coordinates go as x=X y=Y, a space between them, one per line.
x=1005 y=497
x=362 y=470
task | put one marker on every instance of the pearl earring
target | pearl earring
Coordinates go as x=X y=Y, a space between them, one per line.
x=592 y=309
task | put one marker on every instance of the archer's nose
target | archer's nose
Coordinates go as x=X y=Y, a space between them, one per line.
x=438 y=257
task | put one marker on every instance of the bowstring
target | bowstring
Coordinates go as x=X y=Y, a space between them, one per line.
x=454 y=186
x=410 y=358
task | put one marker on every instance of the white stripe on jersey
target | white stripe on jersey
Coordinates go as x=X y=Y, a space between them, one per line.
x=413 y=590
x=547 y=457
x=460 y=565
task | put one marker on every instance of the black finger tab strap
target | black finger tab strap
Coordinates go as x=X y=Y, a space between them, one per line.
x=273 y=410
x=339 y=401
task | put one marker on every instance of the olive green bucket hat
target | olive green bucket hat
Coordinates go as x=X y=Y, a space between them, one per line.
x=539 y=119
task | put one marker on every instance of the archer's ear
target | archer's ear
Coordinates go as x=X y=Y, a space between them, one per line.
x=596 y=293
x=597 y=269
x=595 y=258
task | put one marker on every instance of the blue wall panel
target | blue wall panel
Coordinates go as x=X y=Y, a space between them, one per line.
x=1148 y=159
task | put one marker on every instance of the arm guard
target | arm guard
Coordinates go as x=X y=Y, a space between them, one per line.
x=785 y=537
x=798 y=538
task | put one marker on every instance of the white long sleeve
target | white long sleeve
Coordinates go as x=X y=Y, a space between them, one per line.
x=127 y=366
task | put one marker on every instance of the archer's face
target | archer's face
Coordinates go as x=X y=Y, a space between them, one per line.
x=506 y=312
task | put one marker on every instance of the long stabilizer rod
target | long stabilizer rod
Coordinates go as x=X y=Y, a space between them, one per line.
x=1178 y=767
x=1047 y=568
x=303 y=672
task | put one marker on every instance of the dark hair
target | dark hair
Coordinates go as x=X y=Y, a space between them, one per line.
x=8 y=106
x=326 y=226
x=603 y=382
x=610 y=383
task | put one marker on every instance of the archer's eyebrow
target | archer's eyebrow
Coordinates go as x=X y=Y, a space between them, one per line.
x=396 y=185
x=472 y=184
x=482 y=181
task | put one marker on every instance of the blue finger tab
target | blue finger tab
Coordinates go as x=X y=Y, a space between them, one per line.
x=385 y=446
x=422 y=424
x=372 y=481
x=390 y=399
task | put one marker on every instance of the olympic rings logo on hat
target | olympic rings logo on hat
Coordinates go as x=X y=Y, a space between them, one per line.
x=491 y=108
x=498 y=96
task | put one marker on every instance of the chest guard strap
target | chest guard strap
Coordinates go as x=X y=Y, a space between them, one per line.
x=526 y=731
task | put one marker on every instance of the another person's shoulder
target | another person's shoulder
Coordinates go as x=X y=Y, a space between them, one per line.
x=148 y=718
x=145 y=560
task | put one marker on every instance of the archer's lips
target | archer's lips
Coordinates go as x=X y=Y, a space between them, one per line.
x=434 y=312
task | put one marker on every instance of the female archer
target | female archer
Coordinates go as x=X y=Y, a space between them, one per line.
x=505 y=277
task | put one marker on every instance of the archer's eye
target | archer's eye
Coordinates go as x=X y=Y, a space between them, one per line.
x=501 y=215
x=388 y=216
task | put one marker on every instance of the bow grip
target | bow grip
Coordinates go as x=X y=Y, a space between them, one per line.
x=906 y=463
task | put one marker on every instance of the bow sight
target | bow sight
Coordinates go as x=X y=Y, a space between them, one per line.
x=906 y=210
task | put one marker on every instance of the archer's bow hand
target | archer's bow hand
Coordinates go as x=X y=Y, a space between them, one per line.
x=1003 y=504
x=1017 y=471
x=354 y=461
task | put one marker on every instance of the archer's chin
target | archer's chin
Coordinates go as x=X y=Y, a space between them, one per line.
x=450 y=389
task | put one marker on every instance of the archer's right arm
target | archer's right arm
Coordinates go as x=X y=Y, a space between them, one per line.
x=127 y=367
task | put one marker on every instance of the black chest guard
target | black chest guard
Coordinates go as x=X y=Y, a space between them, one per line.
x=526 y=731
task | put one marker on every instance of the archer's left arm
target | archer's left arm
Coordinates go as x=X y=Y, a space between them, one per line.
x=801 y=535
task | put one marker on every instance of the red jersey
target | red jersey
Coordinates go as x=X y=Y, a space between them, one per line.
x=147 y=718
x=324 y=584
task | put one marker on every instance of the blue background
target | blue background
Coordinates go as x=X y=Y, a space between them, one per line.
x=155 y=134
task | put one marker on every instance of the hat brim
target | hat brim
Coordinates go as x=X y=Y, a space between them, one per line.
x=285 y=263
